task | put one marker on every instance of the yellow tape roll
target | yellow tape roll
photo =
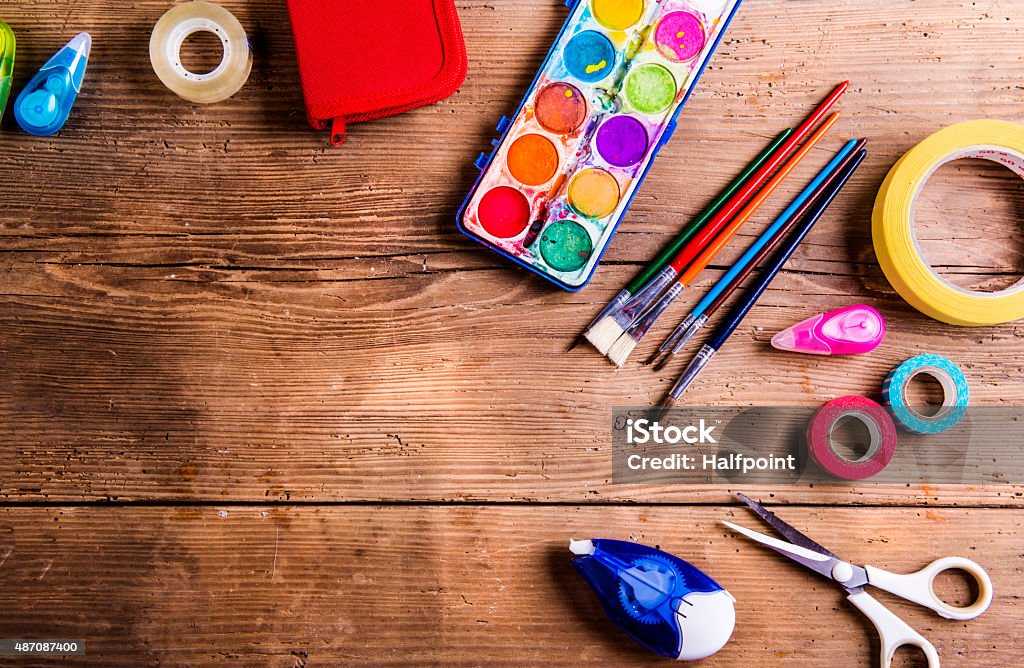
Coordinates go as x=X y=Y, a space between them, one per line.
x=173 y=29
x=893 y=224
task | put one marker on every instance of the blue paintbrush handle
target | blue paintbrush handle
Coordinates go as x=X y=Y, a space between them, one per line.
x=769 y=234
x=778 y=261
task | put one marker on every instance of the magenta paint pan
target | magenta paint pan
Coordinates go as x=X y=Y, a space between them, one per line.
x=569 y=162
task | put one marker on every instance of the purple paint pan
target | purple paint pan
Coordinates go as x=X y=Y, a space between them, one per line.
x=622 y=141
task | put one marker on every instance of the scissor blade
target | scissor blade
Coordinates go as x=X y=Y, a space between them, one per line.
x=785 y=530
x=819 y=563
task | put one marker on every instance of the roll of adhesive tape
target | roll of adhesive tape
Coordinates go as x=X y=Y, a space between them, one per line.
x=880 y=427
x=954 y=387
x=174 y=28
x=897 y=247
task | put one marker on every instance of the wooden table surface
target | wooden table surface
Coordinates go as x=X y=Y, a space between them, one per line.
x=261 y=404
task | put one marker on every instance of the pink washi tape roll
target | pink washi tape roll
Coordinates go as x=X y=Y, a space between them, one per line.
x=880 y=427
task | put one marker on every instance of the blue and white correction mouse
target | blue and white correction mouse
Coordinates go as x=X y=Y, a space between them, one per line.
x=665 y=604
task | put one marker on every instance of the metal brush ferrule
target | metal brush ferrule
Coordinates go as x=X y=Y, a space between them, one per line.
x=613 y=305
x=690 y=332
x=639 y=302
x=676 y=333
x=696 y=366
x=647 y=320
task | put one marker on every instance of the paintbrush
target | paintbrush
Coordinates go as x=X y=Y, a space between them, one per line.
x=534 y=232
x=670 y=251
x=604 y=334
x=772 y=269
x=755 y=255
x=624 y=346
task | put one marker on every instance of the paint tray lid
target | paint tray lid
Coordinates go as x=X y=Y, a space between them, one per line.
x=359 y=61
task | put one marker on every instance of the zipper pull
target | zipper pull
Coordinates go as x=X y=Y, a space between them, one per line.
x=338 y=132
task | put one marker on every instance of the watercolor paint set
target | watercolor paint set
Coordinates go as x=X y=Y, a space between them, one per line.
x=567 y=165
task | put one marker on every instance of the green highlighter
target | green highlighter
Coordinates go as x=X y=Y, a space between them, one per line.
x=6 y=64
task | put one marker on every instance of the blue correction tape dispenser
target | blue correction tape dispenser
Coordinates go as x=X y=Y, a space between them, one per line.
x=44 y=104
x=665 y=604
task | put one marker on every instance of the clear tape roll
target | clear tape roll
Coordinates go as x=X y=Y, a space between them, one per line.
x=175 y=27
x=880 y=428
x=956 y=394
x=897 y=247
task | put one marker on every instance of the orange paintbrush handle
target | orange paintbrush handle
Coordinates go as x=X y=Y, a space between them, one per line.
x=711 y=229
x=709 y=253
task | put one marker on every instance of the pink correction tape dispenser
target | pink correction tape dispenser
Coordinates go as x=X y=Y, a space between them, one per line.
x=853 y=330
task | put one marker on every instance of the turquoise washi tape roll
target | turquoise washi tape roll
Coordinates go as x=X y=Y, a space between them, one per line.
x=954 y=387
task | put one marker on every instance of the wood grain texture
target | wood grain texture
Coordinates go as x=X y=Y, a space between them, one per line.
x=293 y=586
x=207 y=308
x=204 y=303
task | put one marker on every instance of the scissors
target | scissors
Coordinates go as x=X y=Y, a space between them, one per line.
x=917 y=587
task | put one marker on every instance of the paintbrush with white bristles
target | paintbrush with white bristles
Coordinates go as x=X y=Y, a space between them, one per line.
x=755 y=255
x=677 y=244
x=604 y=334
x=620 y=351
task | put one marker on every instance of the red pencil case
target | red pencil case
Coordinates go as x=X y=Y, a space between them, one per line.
x=360 y=59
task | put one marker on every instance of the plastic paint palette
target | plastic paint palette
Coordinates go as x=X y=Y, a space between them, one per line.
x=563 y=173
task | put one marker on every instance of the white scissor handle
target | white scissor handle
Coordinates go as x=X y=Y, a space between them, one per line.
x=892 y=631
x=919 y=587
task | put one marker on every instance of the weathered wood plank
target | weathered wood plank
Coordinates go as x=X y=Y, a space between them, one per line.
x=284 y=586
x=297 y=401
x=206 y=302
